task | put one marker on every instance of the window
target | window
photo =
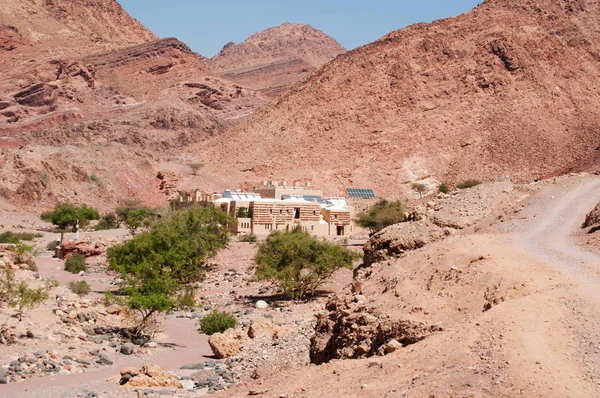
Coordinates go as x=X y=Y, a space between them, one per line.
x=335 y=216
x=314 y=212
x=297 y=213
x=312 y=227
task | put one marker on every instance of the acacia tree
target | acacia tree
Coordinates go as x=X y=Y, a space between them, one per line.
x=67 y=214
x=158 y=265
x=381 y=215
x=419 y=188
x=299 y=262
x=135 y=217
x=195 y=167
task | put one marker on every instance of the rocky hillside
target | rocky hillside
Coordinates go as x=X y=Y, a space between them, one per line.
x=507 y=88
x=73 y=27
x=276 y=58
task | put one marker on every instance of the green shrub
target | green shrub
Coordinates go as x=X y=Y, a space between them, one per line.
x=75 y=263
x=16 y=237
x=381 y=215
x=217 y=322
x=298 y=262
x=108 y=221
x=468 y=184
x=444 y=188
x=249 y=238
x=81 y=288
x=136 y=217
x=242 y=213
x=52 y=245
x=157 y=265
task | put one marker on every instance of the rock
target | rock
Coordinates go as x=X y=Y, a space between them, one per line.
x=228 y=343
x=103 y=360
x=194 y=366
x=127 y=348
x=153 y=376
x=114 y=309
x=130 y=370
x=187 y=384
x=263 y=327
x=3 y=380
x=151 y=344
x=261 y=305
x=391 y=346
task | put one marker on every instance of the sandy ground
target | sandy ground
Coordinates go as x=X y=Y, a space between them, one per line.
x=539 y=339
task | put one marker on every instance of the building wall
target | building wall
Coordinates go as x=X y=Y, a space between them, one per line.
x=278 y=192
x=337 y=219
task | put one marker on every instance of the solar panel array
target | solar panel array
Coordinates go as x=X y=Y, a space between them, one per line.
x=360 y=193
x=308 y=198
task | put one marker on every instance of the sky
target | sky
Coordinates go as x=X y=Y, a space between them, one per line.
x=206 y=26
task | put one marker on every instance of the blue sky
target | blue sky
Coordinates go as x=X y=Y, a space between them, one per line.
x=206 y=26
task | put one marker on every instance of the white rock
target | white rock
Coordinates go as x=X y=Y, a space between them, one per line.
x=187 y=384
x=260 y=304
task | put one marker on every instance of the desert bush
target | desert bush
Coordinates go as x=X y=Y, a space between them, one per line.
x=52 y=245
x=381 y=215
x=75 y=263
x=217 y=322
x=19 y=295
x=195 y=167
x=298 y=262
x=66 y=215
x=444 y=188
x=468 y=184
x=108 y=221
x=16 y=237
x=157 y=265
x=249 y=238
x=80 y=288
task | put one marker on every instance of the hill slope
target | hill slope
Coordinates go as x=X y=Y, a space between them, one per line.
x=507 y=88
x=276 y=58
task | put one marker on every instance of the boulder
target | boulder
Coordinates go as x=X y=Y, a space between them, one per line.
x=127 y=349
x=114 y=309
x=227 y=344
x=153 y=376
x=263 y=327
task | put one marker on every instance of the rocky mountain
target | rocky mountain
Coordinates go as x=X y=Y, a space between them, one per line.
x=507 y=88
x=58 y=27
x=90 y=102
x=276 y=58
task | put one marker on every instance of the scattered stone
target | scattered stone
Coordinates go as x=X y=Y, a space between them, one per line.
x=227 y=344
x=261 y=305
x=127 y=349
x=153 y=376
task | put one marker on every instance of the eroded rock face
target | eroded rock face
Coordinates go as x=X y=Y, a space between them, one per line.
x=227 y=344
x=351 y=330
x=36 y=95
x=400 y=238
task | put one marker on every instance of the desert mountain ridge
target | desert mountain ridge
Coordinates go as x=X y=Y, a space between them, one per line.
x=509 y=88
x=276 y=58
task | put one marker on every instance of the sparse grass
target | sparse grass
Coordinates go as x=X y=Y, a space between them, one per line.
x=75 y=264
x=250 y=238
x=81 y=288
x=468 y=184
x=16 y=237
x=97 y=180
x=217 y=322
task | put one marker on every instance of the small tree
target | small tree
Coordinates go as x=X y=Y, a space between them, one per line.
x=299 y=262
x=242 y=213
x=195 y=167
x=19 y=295
x=157 y=265
x=420 y=188
x=381 y=215
x=66 y=215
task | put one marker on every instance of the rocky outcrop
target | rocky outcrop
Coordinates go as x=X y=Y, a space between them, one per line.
x=397 y=239
x=351 y=330
x=10 y=38
x=36 y=95
x=592 y=218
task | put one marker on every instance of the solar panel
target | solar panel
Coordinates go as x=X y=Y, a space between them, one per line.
x=227 y=194
x=361 y=193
